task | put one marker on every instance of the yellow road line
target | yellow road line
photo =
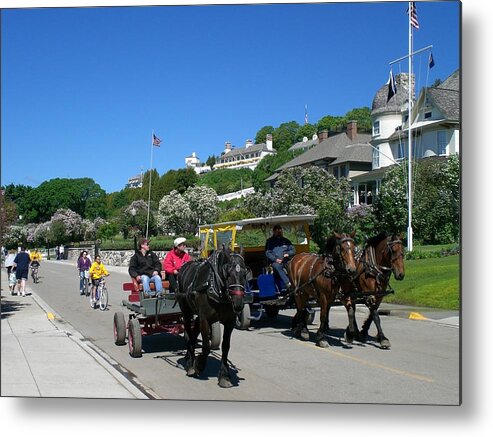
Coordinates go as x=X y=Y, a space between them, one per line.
x=372 y=364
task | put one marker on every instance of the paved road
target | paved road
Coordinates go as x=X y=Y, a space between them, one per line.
x=268 y=364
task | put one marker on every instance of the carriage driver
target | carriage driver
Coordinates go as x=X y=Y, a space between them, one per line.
x=173 y=261
x=145 y=267
x=279 y=250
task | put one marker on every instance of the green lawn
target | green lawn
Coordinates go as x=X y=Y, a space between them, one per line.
x=430 y=282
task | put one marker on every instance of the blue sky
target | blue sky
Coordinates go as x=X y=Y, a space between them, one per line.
x=83 y=88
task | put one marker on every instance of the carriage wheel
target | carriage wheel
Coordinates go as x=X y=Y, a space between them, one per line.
x=243 y=319
x=215 y=336
x=271 y=311
x=134 y=338
x=119 y=328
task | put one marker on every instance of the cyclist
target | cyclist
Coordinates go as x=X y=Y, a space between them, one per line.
x=96 y=272
x=35 y=257
x=83 y=266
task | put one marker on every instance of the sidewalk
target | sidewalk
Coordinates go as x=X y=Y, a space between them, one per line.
x=43 y=356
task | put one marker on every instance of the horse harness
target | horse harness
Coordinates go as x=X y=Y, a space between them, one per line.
x=379 y=272
x=331 y=270
x=214 y=285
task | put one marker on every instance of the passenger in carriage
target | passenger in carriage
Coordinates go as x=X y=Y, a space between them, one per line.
x=279 y=250
x=145 y=267
x=173 y=261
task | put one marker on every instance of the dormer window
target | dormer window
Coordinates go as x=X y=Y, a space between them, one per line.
x=427 y=115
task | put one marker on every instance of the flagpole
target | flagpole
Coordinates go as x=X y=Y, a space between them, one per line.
x=410 y=137
x=150 y=180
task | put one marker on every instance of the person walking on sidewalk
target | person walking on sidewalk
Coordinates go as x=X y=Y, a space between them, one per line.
x=21 y=263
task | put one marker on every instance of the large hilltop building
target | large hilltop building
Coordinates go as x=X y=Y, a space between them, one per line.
x=235 y=157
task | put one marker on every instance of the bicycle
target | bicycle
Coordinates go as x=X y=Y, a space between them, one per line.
x=35 y=273
x=86 y=286
x=101 y=296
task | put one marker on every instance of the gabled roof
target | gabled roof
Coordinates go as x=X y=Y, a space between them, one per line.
x=446 y=100
x=304 y=144
x=338 y=148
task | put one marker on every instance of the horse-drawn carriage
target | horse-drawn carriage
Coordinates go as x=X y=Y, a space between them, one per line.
x=151 y=315
x=341 y=276
x=265 y=292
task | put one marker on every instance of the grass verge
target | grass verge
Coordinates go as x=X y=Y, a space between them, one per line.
x=433 y=283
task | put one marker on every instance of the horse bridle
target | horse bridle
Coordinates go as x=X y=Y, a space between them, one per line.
x=233 y=289
x=339 y=243
x=389 y=249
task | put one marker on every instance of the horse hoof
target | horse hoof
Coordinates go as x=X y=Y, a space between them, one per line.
x=191 y=372
x=348 y=339
x=363 y=337
x=305 y=335
x=323 y=343
x=225 y=383
x=385 y=344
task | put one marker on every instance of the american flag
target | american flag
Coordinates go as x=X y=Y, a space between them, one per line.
x=156 y=141
x=413 y=15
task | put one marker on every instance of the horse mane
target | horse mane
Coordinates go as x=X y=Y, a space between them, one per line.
x=330 y=244
x=374 y=241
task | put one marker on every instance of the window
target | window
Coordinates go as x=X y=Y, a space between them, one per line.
x=343 y=171
x=336 y=172
x=441 y=142
x=376 y=128
x=376 y=157
x=427 y=115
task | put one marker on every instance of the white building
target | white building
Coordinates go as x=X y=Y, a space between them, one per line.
x=435 y=127
x=193 y=161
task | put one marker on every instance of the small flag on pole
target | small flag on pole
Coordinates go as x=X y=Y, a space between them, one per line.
x=413 y=16
x=392 y=86
x=306 y=115
x=156 y=141
x=431 y=61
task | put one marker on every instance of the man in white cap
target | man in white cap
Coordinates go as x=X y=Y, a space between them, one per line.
x=173 y=261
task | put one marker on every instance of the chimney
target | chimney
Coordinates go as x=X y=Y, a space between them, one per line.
x=352 y=129
x=305 y=139
x=227 y=147
x=248 y=143
x=323 y=135
x=268 y=141
x=314 y=137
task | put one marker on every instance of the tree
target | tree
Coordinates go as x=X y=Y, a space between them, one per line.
x=330 y=123
x=284 y=136
x=390 y=204
x=72 y=225
x=362 y=116
x=83 y=196
x=211 y=161
x=183 y=213
x=261 y=135
x=227 y=180
x=436 y=206
x=269 y=165
x=307 y=130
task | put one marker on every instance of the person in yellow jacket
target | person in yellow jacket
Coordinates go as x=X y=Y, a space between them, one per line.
x=35 y=257
x=96 y=272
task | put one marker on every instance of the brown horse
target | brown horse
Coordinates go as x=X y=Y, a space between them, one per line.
x=381 y=257
x=319 y=277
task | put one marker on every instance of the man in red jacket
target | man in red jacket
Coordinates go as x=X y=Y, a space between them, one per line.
x=173 y=261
